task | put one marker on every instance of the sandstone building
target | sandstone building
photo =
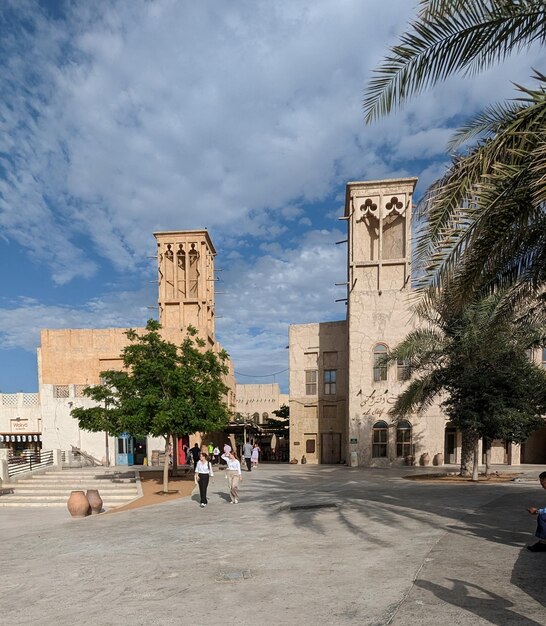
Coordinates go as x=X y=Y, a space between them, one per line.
x=339 y=393
x=71 y=359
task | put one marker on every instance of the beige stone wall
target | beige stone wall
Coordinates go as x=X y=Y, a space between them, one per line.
x=77 y=356
x=70 y=359
x=318 y=419
x=258 y=401
x=379 y=300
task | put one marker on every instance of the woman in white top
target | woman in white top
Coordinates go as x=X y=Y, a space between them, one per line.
x=255 y=455
x=233 y=475
x=203 y=472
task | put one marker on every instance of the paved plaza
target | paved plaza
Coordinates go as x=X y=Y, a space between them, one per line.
x=306 y=545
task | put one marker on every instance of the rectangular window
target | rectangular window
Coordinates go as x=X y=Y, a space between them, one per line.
x=329 y=382
x=379 y=369
x=379 y=447
x=402 y=370
x=403 y=442
x=310 y=446
x=311 y=382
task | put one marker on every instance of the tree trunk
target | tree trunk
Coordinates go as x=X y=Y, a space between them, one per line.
x=166 y=466
x=487 y=445
x=475 y=461
x=469 y=437
x=175 y=454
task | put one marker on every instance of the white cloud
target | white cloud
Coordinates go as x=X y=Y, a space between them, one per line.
x=22 y=320
x=287 y=286
x=164 y=115
x=237 y=117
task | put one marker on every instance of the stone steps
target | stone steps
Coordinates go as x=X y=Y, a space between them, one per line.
x=13 y=502
x=53 y=488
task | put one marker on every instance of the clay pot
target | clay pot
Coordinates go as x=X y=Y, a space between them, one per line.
x=78 y=504
x=425 y=459
x=438 y=459
x=409 y=460
x=95 y=501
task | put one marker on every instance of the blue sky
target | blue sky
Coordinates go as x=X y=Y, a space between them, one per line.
x=120 y=118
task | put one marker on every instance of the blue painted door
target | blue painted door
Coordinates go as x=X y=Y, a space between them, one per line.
x=125 y=454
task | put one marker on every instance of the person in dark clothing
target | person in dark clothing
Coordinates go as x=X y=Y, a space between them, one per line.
x=247 y=453
x=540 y=545
x=195 y=453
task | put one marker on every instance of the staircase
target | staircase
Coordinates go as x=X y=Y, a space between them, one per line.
x=116 y=487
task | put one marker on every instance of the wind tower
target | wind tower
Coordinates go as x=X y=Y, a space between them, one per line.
x=185 y=267
x=378 y=306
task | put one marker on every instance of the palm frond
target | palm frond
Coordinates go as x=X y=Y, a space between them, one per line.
x=418 y=395
x=449 y=37
x=481 y=218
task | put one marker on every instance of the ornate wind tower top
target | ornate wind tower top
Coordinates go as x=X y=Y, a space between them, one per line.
x=185 y=266
x=379 y=224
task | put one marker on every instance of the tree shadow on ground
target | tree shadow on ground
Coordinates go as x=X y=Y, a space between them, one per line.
x=384 y=508
x=478 y=600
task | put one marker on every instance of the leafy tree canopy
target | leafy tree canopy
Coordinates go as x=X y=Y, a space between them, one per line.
x=477 y=362
x=164 y=389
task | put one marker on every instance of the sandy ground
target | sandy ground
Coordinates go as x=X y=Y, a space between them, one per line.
x=152 y=486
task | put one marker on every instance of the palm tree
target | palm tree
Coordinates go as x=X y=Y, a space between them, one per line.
x=475 y=363
x=450 y=36
x=484 y=220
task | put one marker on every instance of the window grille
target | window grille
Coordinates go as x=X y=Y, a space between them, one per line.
x=61 y=391
x=78 y=391
x=9 y=399
x=31 y=399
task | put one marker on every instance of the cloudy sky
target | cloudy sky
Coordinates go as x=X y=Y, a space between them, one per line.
x=123 y=117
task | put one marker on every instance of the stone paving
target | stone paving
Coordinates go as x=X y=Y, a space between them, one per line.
x=306 y=545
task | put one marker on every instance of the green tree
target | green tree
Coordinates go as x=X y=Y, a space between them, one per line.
x=485 y=219
x=280 y=424
x=165 y=390
x=475 y=363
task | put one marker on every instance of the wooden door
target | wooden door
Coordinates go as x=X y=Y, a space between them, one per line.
x=330 y=448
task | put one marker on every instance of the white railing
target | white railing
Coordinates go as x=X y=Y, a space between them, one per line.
x=29 y=462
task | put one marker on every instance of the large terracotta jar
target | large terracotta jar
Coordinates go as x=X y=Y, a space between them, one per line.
x=78 y=504
x=438 y=459
x=95 y=501
x=425 y=459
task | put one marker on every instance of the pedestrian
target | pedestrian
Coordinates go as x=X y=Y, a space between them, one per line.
x=187 y=454
x=216 y=453
x=210 y=449
x=203 y=473
x=247 y=453
x=255 y=455
x=196 y=453
x=540 y=545
x=227 y=450
x=233 y=475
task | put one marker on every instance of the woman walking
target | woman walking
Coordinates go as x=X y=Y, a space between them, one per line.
x=233 y=475
x=203 y=472
x=255 y=455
